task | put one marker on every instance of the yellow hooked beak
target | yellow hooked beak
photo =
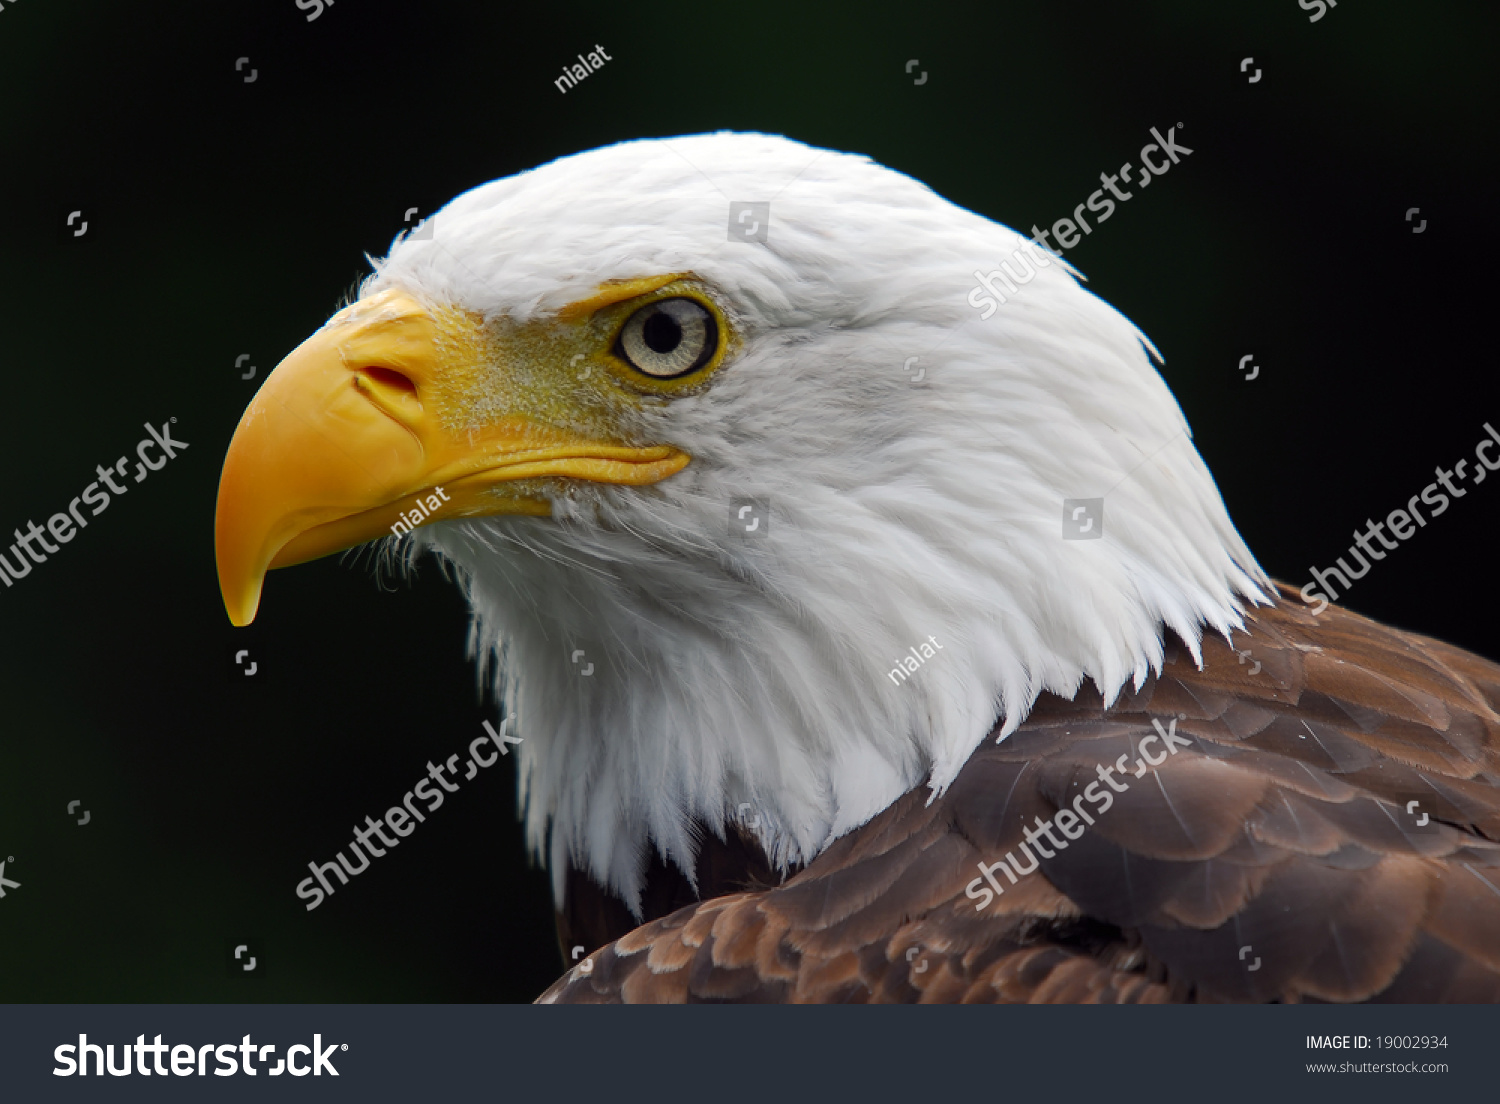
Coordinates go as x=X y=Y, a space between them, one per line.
x=357 y=434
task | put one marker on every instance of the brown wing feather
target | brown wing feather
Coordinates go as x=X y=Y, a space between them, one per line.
x=1277 y=858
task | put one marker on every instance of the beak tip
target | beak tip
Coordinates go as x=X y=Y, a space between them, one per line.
x=243 y=607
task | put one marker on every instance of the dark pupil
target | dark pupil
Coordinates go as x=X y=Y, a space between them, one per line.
x=662 y=333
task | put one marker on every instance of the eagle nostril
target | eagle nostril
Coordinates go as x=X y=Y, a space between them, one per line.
x=387 y=379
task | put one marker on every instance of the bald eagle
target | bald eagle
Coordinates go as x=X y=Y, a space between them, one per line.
x=763 y=529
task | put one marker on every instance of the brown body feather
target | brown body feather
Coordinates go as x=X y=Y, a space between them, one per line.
x=1277 y=858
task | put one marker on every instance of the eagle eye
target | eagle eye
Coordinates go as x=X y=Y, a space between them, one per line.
x=669 y=338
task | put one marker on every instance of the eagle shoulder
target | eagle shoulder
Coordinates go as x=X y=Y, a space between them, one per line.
x=1320 y=821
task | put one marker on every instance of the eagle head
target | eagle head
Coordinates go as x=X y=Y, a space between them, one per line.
x=712 y=437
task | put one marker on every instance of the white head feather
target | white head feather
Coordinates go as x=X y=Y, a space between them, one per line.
x=730 y=670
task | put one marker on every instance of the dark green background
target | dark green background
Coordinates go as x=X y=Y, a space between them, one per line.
x=228 y=218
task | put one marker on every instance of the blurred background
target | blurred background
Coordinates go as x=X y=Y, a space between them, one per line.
x=226 y=216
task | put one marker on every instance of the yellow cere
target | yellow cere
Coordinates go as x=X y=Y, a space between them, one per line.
x=560 y=371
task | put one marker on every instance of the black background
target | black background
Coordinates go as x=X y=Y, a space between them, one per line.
x=228 y=218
